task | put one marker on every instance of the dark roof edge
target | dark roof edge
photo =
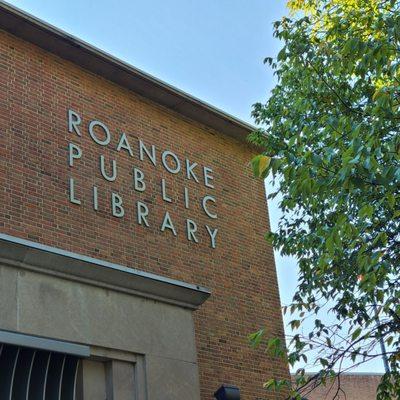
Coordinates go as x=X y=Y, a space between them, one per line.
x=56 y=41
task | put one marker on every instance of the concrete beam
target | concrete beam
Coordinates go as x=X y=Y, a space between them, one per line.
x=53 y=261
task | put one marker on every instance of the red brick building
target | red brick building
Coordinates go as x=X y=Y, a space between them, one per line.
x=131 y=230
x=350 y=386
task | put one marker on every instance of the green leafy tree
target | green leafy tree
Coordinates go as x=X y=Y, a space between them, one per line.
x=329 y=136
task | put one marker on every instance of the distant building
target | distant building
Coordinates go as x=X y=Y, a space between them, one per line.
x=356 y=386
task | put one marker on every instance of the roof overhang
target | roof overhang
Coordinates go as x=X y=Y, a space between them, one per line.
x=37 y=257
x=70 y=48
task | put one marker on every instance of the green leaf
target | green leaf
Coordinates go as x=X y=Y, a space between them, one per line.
x=366 y=211
x=256 y=338
x=356 y=334
x=270 y=384
x=391 y=200
x=260 y=164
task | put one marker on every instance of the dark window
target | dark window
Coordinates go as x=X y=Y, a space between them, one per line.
x=30 y=374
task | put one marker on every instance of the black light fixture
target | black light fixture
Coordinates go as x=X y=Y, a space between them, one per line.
x=227 y=392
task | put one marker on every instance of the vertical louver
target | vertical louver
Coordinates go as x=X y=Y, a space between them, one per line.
x=29 y=374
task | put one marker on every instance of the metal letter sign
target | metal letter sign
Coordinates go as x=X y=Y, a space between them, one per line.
x=144 y=154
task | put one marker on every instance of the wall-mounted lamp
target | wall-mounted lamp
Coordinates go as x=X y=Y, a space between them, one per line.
x=227 y=392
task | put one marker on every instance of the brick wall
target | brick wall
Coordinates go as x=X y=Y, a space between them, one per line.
x=349 y=387
x=36 y=90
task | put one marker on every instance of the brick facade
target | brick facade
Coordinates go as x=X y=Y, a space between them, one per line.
x=349 y=387
x=36 y=90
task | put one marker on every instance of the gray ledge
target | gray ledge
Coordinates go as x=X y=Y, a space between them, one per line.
x=41 y=343
x=56 y=41
x=53 y=261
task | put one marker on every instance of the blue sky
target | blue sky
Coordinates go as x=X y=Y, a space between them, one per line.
x=211 y=49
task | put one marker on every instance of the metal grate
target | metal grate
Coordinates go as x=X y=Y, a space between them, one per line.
x=29 y=374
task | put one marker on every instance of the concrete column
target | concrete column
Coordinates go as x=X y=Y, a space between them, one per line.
x=91 y=383
x=120 y=380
